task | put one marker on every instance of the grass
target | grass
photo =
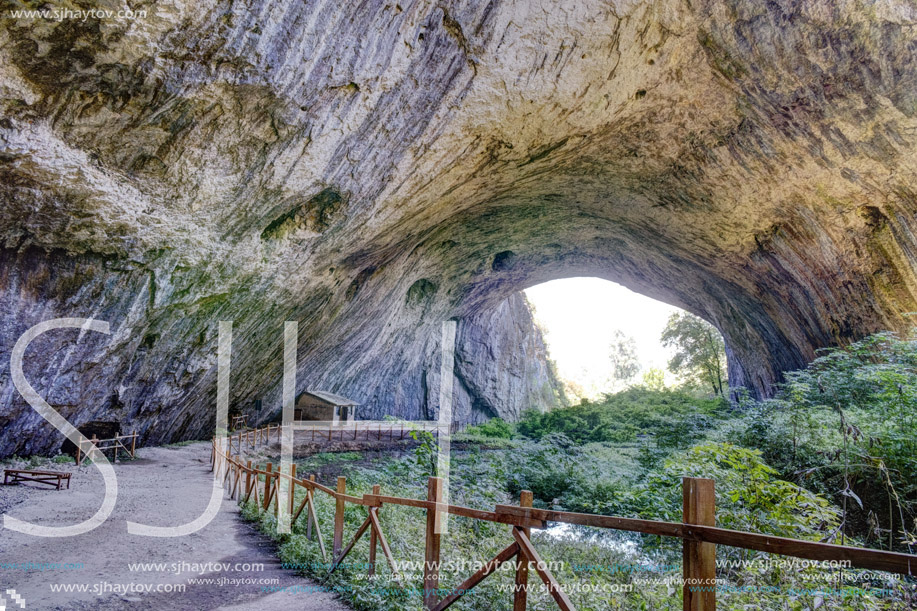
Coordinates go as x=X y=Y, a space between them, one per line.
x=325 y=458
x=477 y=482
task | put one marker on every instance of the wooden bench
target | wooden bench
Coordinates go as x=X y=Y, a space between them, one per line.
x=51 y=478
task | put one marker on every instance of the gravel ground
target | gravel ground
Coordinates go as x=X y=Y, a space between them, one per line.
x=164 y=486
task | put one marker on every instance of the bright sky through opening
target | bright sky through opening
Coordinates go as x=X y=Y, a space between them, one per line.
x=580 y=317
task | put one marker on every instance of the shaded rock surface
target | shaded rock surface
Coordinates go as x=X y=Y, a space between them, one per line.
x=373 y=169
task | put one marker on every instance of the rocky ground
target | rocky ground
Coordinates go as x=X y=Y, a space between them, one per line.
x=163 y=486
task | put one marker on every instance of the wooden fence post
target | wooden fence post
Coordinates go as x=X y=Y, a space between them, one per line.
x=372 y=538
x=248 y=478
x=339 y=518
x=133 y=443
x=520 y=597
x=292 y=489
x=431 y=553
x=699 y=558
x=309 y=517
x=267 y=484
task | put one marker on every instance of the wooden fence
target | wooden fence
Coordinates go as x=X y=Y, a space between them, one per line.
x=350 y=431
x=697 y=531
x=238 y=422
x=118 y=444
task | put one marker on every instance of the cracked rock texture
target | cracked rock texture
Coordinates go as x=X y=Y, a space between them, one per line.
x=372 y=169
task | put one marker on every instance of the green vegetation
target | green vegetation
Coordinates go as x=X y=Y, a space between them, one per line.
x=622 y=353
x=325 y=458
x=845 y=427
x=831 y=458
x=700 y=354
x=623 y=416
x=180 y=444
x=495 y=427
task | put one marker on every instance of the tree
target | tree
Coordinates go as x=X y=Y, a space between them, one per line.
x=654 y=379
x=700 y=354
x=623 y=356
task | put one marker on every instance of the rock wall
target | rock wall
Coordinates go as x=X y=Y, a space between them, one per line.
x=166 y=385
x=502 y=365
x=372 y=169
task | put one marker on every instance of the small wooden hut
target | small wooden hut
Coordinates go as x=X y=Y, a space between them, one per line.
x=326 y=406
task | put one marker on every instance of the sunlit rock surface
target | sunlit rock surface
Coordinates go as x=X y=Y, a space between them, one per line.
x=372 y=169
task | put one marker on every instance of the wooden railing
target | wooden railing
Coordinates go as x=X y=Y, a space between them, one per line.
x=345 y=431
x=238 y=422
x=115 y=443
x=697 y=531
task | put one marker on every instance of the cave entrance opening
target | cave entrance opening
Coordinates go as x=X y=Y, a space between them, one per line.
x=604 y=338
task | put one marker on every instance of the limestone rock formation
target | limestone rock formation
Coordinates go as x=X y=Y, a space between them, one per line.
x=371 y=169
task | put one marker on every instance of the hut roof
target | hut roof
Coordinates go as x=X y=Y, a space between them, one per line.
x=328 y=397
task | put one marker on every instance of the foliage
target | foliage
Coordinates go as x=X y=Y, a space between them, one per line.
x=180 y=444
x=426 y=453
x=839 y=434
x=596 y=478
x=495 y=427
x=622 y=353
x=324 y=458
x=622 y=416
x=654 y=379
x=750 y=495
x=549 y=469
x=700 y=354
x=845 y=425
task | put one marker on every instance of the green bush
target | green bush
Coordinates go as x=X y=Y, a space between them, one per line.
x=620 y=417
x=845 y=426
x=495 y=427
x=549 y=469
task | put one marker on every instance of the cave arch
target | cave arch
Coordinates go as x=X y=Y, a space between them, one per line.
x=760 y=177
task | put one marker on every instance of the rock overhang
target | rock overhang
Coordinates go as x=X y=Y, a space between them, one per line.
x=371 y=171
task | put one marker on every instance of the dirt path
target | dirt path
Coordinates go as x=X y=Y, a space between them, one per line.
x=165 y=486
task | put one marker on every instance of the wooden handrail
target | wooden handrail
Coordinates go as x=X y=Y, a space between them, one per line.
x=115 y=445
x=695 y=529
x=649 y=527
x=860 y=557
